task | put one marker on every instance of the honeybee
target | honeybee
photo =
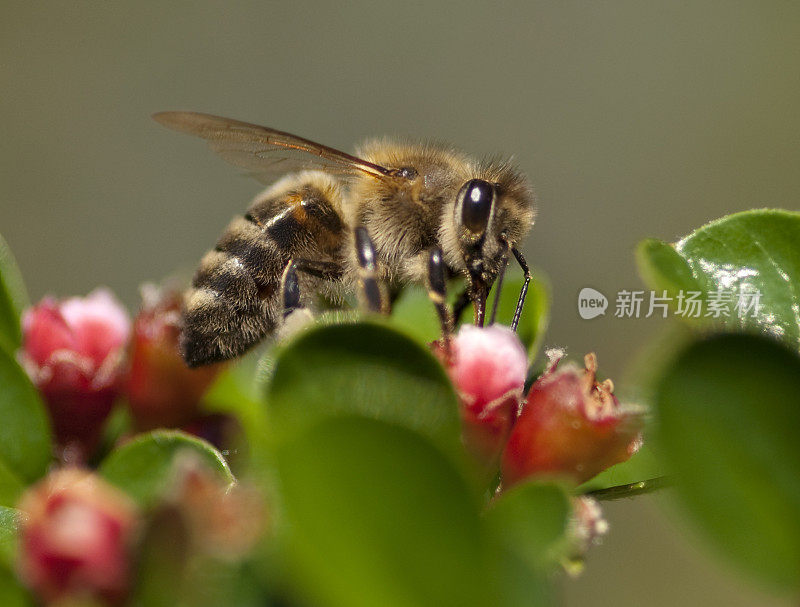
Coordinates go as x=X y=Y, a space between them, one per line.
x=394 y=213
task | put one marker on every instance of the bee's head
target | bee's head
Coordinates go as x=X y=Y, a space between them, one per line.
x=493 y=212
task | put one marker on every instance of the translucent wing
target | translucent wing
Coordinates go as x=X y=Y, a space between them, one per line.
x=264 y=151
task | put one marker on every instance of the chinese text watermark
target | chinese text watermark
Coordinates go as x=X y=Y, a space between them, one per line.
x=721 y=303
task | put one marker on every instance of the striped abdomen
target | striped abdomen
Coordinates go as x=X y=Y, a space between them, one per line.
x=235 y=300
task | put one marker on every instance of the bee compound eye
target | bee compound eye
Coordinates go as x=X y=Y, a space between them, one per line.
x=477 y=205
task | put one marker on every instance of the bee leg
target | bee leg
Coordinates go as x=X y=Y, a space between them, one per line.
x=524 y=291
x=290 y=289
x=437 y=291
x=498 y=288
x=290 y=285
x=461 y=304
x=371 y=293
x=479 y=303
x=326 y=270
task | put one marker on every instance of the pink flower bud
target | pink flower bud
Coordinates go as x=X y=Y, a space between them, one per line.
x=75 y=539
x=488 y=368
x=73 y=351
x=162 y=390
x=571 y=426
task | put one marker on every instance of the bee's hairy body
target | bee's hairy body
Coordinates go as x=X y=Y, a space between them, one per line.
x=310 y=217
x=235 y=297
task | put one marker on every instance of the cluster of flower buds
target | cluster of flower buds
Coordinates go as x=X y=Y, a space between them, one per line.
x=82 y=354
x=568 y=425
x=82 y=540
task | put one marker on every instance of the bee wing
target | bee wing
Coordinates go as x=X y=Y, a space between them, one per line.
x=263 y=151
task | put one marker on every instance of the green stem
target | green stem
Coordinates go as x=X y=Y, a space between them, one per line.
x=631 y=490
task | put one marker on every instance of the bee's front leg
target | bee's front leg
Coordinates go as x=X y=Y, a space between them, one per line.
x=521 y=301
x=437 y=292
x=371 y=293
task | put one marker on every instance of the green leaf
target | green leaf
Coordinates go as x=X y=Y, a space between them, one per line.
x=25 y=446
x=518 y=585
x=380 y=516
x=415 y=314
x=745 y=253
x=729 y=415
x=531 y=521
x=11 y=486
x=9 y=526
x=163 y=554
x=368 y=369
x=12 y=594
x=13 y=299
x=143 y=466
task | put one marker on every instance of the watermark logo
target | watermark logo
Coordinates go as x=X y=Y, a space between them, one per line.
x=720 y=303
x=591 y=303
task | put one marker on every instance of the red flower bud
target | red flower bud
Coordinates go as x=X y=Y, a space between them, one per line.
x=75 y=538
x=488 y=368
x=73 y=351
x=162 y=390
x=570 y=426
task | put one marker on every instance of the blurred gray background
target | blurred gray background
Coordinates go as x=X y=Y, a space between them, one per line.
x=633 y=119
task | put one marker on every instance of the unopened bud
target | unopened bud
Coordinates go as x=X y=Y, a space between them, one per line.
x=488 y=368
x=571 y=426
x=75 y=539
x=162 y=390
x=73 y=350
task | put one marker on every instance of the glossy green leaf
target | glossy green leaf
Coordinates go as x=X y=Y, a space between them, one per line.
x=367 y=369
x=734 y=260
x=143 y=466
x=25 y=446
x=531 y=521
x=729 y=410
x=380 y=516
x=13 y=299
